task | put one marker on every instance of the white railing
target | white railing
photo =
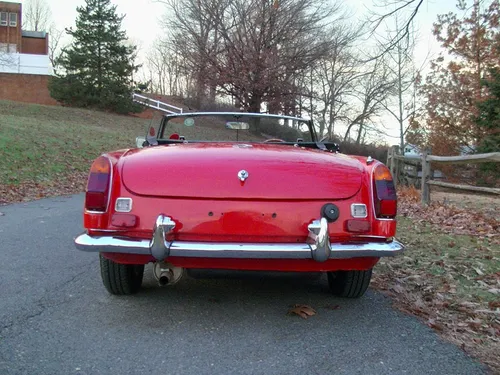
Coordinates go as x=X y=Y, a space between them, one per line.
x=22 y=63
x=156 y=104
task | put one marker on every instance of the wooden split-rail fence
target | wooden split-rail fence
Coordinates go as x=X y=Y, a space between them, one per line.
x=406 y=169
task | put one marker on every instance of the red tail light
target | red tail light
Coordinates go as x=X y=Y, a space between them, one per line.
x=96 y=197
x=384 y=193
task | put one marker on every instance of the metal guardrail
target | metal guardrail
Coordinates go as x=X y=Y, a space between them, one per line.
x=156 y=104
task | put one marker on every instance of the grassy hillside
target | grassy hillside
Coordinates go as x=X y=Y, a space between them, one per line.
x=39 y=144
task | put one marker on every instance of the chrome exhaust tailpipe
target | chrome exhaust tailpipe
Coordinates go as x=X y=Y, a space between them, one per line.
x=165 y=278
x=167 y=274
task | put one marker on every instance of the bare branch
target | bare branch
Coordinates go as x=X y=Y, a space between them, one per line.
x=55 y=36
x=403 y=32
x=36 y=15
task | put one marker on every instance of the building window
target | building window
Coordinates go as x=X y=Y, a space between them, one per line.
x=13 y=19
x=3 y=19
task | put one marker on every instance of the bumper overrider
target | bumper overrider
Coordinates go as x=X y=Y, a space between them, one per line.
x=317 y=247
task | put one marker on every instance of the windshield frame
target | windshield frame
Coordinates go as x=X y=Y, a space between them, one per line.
x=167 y=118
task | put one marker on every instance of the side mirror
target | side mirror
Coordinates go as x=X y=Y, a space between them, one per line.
x=139 y=142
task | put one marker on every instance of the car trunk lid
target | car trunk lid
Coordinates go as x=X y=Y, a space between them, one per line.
x=211 y=171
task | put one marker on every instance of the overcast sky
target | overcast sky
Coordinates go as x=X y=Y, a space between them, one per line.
x=142 y=21
x=142 y=17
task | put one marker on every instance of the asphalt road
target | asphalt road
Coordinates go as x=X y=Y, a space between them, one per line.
x=57 y=318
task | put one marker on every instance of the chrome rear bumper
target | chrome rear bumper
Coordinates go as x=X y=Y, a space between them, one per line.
x=318 y=246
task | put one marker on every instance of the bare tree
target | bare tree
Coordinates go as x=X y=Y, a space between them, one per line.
x=400 y=62
x=156 y=62
x=254 y=51
x=373 y=88
x=167 y=74
x=36 y=15
x=55 y=48
x=333 y=80
x=406 y=10
x=194 y=37
x=286 y=56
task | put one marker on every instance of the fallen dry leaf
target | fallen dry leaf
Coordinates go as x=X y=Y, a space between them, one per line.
x=478 y=271
x=432 y=323
x=304 y=311
x=398 y=288
x=494 y=304
x=469 y=304
x=475 y=323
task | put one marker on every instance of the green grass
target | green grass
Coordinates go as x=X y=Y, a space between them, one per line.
x=41 y=143
x=450 y=281
x=469 y=264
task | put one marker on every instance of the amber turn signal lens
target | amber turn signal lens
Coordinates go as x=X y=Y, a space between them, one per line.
x=381 y=172
x=100 y=165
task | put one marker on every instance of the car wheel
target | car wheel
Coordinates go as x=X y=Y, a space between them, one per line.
x=121 y=279
x=349 y=284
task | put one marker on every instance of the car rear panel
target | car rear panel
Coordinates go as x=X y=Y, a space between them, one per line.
x=246 y=219
x=215 y=220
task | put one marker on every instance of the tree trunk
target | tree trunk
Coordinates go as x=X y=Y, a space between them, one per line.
x=331 y=123
x=360 y=131
x=212 y=93
x=255 y=103
x=400 y=98
x=348 y=131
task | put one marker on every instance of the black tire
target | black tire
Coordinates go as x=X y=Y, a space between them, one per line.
x=121 y=279
x=349 y=284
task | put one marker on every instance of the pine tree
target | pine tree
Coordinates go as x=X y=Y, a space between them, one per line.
x=98 y=66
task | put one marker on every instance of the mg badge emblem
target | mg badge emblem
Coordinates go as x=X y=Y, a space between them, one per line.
x=242 y=175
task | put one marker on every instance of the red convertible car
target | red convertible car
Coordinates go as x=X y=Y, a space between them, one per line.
x=238 y=191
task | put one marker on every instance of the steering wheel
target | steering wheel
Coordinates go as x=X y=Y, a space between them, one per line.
x=272 y=140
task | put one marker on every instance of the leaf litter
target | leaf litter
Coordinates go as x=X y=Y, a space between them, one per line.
x=449 y=275
x=62 y=184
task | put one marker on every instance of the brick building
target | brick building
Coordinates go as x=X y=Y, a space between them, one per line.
x=25 y=66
